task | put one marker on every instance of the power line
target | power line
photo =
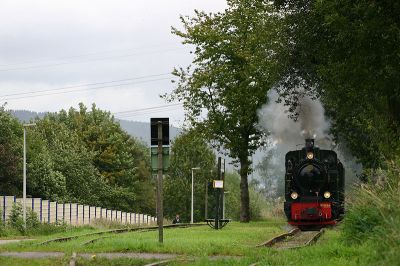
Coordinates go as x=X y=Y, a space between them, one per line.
x=84 y=85
x=83 y=55
x=149 y=110
x=86 y=89
x=86 y=61
x=147 y=113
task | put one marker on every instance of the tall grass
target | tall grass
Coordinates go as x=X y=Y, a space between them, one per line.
x=373 y=217
x=15 y=226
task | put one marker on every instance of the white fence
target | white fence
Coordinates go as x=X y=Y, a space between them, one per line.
x=71 y=213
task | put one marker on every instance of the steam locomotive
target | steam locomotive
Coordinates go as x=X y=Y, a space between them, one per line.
x=314 y=187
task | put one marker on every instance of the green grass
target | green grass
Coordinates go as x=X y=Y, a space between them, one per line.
x=197 y=245
x=235 y=239
x=107 y=262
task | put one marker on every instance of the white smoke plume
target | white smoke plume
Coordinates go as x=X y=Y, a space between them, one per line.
x=285 y=134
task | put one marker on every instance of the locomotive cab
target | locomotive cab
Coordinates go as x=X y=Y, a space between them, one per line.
x=314 y=186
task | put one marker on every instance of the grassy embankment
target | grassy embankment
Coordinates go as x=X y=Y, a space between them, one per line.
x=369 y=235
x=237 y=241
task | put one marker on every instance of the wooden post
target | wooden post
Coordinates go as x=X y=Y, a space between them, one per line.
x=160 y=208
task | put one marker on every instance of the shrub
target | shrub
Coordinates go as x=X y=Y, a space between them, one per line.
x=373 y=216
x=32 y=220
x=15 y=219
x=2 y=227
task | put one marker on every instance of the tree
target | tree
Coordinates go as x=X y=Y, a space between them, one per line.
x=271 y=174
x=59 y=165
x=115 y=161
x=346 y=53
x=188 y=151
x=234 y=67
x=232 y=198
x=10 y=154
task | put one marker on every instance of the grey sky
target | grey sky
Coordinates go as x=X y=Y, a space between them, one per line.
x=48 y=45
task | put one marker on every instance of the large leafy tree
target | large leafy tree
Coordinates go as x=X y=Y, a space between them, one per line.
x=346 y=52
x=10 y=154
x=233 y=68
x=188 y=151
x=121 y=161
x=60 y=167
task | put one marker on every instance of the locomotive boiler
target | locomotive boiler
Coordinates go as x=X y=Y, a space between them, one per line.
x=314 y=187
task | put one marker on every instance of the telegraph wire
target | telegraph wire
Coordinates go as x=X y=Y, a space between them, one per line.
x=85 y=55
x=146 y=113
x=86 y=89
x=86 y=61
x=149 y=110
x=83 y=85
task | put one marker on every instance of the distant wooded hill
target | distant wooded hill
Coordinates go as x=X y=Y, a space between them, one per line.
x=140 y=130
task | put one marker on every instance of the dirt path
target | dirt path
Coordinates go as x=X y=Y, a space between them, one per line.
x=8 y=241
x=32 y=255
x=135 y=255
x=147 y=256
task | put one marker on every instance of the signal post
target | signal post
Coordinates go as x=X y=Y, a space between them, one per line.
x=159 y=163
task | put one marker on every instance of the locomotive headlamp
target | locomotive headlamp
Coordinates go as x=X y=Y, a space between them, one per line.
x=310 y=155
x=327 y=195
x=294 y=195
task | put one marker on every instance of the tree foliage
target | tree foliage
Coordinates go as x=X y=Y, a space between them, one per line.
x=233 y=68
x=271 y=173
x=188 y=151
x=10 y=154
x=77 y=156
x=347 y=53
x=258 y=202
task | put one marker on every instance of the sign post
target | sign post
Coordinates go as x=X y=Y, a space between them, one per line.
x=218 y=184
x=160 y=137
x=160 y=214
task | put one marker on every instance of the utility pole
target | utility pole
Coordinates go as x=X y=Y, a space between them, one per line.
x=191 y=213
x=160 y=208
x=24 y=174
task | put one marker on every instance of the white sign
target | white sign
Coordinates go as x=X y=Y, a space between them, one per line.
x=218 y=184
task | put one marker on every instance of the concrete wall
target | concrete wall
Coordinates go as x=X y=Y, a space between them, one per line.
x=71 y=213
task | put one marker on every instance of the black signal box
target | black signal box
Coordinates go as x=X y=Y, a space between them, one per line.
x=154 y=131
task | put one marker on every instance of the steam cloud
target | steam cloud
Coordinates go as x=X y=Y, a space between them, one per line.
x=285 y=134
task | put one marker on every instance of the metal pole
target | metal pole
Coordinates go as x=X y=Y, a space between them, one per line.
x=217 y=191
x=24 y=182
x=206 y=203
x=223 y=205
x=223 y=189
x=160 y=214
x=24 y=174
x=191 y=213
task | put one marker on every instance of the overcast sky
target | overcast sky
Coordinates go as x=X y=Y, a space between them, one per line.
x=125 y=46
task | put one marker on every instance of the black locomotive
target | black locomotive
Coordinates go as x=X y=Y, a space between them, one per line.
x=314 y=186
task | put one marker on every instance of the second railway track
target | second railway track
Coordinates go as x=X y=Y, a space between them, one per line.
x=118 y=231
x=293 y=239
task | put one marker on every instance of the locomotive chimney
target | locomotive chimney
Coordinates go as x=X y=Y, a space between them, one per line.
x=309 y=144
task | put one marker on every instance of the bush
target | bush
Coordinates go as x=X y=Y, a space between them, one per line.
x=258 y=204
x=2 y=227
x=32 y=220
x=373 y=216
x=16 y=220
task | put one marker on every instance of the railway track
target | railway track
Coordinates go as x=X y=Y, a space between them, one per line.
x=293 y=239
x=119 y=231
